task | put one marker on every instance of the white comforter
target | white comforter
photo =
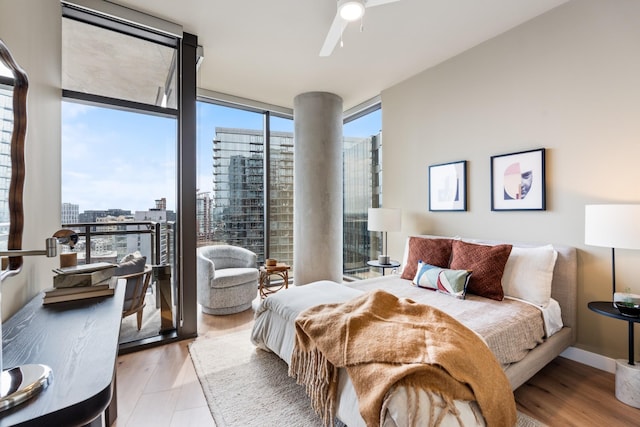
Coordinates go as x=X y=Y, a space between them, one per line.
x=274 y=330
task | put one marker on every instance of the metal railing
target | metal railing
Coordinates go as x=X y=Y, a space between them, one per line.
x=160 y=243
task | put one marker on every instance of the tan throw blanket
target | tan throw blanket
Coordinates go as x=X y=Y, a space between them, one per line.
x=383 y=341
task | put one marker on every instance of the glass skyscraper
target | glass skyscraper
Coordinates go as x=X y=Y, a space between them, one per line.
x=237 y=203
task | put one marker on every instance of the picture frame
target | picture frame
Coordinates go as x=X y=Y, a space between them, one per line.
x=518 y=181
x=448 y=186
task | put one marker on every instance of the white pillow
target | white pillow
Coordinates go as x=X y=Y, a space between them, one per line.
x=528 y=274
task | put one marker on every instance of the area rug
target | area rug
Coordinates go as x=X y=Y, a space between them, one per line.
x=247 y=387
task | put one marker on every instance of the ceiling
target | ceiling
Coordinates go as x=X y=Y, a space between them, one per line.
x=268 y=50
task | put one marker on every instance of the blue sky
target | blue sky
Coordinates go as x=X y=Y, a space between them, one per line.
x=118 y=159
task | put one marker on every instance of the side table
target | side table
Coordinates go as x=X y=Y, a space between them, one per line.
x=627 y=374
x=383 y=267
x=280 y=270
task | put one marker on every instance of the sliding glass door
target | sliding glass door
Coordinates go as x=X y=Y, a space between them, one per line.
x=120 y=156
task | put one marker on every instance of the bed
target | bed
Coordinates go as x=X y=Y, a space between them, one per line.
x=551 y=326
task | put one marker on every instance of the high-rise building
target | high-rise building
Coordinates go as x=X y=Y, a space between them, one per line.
x=204 y=218
x=154 y=246
x=70 y=213
x=362 y=190
x=238 y=216
x=161 y=204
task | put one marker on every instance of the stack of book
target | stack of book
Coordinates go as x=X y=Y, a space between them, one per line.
x=81 y=282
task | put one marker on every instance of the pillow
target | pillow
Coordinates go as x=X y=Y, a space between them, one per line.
x=486 y=262
x=528 y=274
x=431 y=251
x=131 y=263
x=451 y=282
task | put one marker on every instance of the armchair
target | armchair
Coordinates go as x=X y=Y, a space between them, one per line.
x=227 y=279
x=135 y=270
x=137 y=284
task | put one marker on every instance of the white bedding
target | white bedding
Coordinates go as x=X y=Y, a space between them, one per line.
x=274 y=330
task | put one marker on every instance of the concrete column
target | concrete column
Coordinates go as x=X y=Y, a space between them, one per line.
x=317 y=232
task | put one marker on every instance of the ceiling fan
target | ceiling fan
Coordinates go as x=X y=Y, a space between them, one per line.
x=348 y=11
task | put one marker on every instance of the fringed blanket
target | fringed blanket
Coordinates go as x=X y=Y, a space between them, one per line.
x=384 y=341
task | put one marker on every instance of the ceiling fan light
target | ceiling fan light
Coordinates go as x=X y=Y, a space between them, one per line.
x=351 y=10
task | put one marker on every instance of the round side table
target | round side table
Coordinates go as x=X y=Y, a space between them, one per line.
x=627 y=372
x=280 y=270
x=383 y=267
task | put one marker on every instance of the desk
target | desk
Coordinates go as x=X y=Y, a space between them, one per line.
x=79 y=341
x=280 y=270
x=375 y=263
x=627 y=374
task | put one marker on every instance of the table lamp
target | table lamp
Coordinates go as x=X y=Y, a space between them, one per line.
x=613 y=226
x=384 y=220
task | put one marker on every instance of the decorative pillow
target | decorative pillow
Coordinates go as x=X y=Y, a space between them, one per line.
x=528 y=274
x=451 y=282
x=486 y=262
x=131 y=263
x=431 y=251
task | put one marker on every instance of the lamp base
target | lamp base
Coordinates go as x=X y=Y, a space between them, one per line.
x=21 y=383
x=628 y=383
x=384 y=259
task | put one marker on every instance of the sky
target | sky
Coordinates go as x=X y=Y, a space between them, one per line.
x=117 y=159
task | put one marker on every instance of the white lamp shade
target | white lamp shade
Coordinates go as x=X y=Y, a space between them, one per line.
x=384 y=219
x=613 y=226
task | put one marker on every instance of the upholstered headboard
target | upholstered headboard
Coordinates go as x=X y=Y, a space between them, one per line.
x=564 y=288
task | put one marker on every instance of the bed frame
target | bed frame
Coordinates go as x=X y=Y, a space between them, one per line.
x=564 y=289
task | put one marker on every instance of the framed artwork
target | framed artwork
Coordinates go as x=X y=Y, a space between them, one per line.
x=448 y=186
x=518 y=181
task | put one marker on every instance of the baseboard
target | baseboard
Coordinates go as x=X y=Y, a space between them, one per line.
x=594 y=360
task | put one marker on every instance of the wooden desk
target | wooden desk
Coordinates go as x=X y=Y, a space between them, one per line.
x=79 y=342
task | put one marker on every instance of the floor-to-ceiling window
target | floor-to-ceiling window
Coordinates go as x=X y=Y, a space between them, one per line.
x=119 y=149
x=240 y=204
x=362 y=189
x=280 y=214
x=245 y=180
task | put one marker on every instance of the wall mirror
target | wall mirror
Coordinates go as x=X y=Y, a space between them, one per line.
x=13 y=124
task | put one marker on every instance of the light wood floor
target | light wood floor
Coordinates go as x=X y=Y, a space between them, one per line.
x=158 y=387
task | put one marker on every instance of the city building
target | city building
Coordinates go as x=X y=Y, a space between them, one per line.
x=70 y=213
x=93 y=215
x=237 y=202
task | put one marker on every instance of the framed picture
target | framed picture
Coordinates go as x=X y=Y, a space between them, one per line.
x=448 y=186
x=518 y=181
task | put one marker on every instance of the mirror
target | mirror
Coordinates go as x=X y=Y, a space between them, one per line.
x=20 y=85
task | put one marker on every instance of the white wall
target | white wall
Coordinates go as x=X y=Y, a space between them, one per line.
x=32 y=31
x=568 y=81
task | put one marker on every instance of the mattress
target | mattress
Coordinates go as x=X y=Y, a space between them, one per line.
x=510 y=328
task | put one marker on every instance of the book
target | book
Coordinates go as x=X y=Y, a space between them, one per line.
x=83 y=293
x=84 y=268
x=83 y=279
x=50 y=292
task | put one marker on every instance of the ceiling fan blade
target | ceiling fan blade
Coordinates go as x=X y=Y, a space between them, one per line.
x=337 y=26
x=371 y=3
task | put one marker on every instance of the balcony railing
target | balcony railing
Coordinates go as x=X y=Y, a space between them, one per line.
x=160 y=234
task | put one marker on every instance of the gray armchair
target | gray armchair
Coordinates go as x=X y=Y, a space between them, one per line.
x=227 y=279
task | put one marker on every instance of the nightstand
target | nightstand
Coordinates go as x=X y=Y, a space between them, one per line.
x=627 y=373
x=375 y=263
x=279 y=270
